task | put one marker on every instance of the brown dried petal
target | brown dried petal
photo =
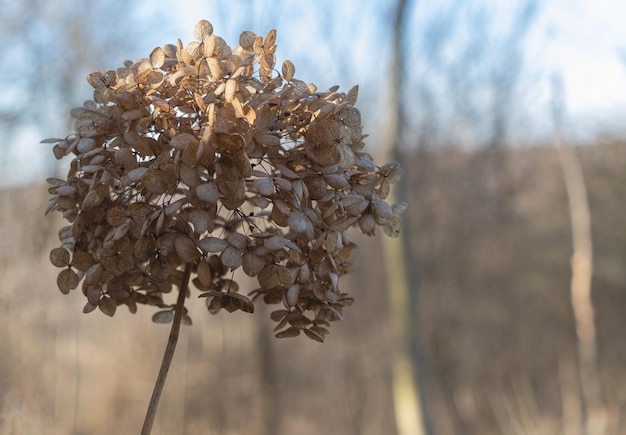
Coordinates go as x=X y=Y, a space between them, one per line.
x=60 y=257
x=288 y=70
x=278 y=315
x=204 y=273
x=88 y=308
x=381 y=209
x=246 y=40
x=352 y=95
x=289 y=332
x=274 y=243
x=300 y=223
x=265 y=186
x=186 y=249
x=118 y=216
x=238 y=240
x=107 y=306
x=180 y=141
x=252 y=264
x=208 y=192
x=165 y=316
x=291 y=296
x=67 y=280
x=202 y=30
x=82 y=261
x=274 y=275
x=157 y=57
x=367 y=224
x=354 y=204
x=192 y=153
x=234 y=301
x=161 y=267
x=231 y=257
x=314 y=335
x=213 y=244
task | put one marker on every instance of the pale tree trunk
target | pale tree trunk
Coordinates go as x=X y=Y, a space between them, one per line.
x=399 y=264
x=582 y=272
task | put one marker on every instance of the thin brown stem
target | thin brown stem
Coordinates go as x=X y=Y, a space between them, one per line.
x=168 y=355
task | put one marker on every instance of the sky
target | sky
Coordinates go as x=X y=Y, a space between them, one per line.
x=347 y=42
x=585 y=38
x=583 y=41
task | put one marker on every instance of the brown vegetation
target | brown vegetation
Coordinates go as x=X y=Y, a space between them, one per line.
x=493 y=240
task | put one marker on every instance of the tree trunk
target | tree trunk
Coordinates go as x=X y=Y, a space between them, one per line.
x=400 y=265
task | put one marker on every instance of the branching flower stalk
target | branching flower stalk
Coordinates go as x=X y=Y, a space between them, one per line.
x=202 y=160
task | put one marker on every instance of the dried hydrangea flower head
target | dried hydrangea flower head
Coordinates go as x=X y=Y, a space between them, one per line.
x=204 y=158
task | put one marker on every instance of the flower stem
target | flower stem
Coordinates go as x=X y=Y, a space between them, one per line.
x=169 y=354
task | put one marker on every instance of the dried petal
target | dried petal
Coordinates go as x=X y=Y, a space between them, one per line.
x=108 y=306
x=202 y=30
x=288 y=70
x=252 y=264
x=165 y=316
x=231 y=257
x=274 y=275
x=289 y=332
x=235 y=301
x=213 y=244
x=60 y=257
x=67 y=280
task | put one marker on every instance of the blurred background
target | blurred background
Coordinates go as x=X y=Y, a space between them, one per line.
x=499 y=310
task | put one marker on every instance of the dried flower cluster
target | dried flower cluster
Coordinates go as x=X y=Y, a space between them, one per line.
x=205 y=157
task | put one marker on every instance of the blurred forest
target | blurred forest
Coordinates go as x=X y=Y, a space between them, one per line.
x=490 y=331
